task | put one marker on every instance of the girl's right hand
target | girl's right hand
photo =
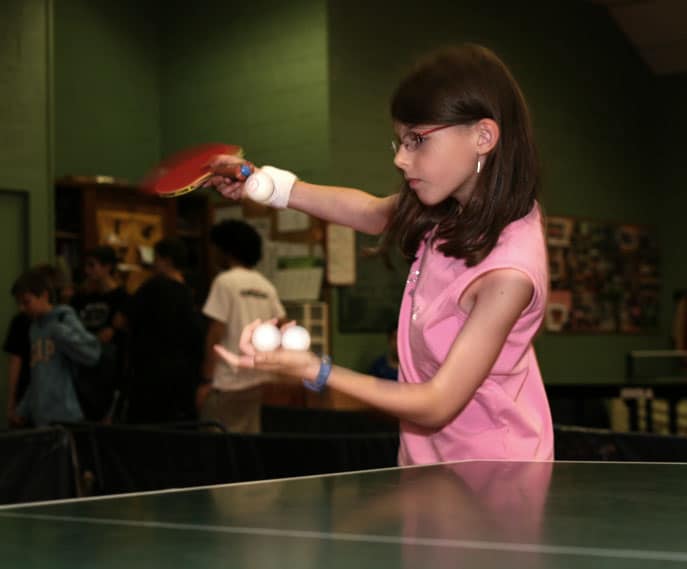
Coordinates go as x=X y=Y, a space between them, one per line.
x=221 y=166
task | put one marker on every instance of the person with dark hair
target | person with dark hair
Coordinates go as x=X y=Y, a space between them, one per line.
x=101 y=297
x=468 y=220
x=99 y=303
x=171 y=257
x=59 y=342
x=17 y=346
x=238 y=295
x=165 y=342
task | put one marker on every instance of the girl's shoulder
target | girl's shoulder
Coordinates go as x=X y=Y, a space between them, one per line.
x=529 y=224
x=522 y=239
x=519 y=253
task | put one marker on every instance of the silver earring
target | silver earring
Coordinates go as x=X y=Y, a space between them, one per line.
x=479 y=165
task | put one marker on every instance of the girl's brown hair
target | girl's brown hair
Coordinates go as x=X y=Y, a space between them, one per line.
x=462 y=85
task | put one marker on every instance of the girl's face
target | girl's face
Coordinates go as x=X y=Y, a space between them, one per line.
x=438 y=161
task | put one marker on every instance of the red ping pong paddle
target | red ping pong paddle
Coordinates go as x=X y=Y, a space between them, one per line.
x=185 y=171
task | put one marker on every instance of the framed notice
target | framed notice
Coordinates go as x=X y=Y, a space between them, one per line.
x=129 y=233
x=340 y=255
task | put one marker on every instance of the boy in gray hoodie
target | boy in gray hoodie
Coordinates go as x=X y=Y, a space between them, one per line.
x=58 y=343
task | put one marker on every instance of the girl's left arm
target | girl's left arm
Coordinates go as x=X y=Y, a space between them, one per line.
x=499 y=298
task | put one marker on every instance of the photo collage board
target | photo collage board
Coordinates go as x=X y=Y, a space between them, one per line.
x=604 y=277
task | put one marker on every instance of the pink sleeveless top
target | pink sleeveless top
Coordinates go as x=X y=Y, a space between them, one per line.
x=508 y=416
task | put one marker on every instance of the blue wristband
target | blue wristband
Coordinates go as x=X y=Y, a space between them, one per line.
x=320 y=382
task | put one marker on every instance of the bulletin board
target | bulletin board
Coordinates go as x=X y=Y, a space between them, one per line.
x=604 y=277
x=293 y=255
x=129 y=232
x=133 y=236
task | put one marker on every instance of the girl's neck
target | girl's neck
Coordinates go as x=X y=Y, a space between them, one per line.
x=462 y=194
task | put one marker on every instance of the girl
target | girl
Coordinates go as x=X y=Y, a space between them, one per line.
x=467 y=216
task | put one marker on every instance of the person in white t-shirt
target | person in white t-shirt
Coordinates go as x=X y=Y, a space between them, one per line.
x=238 y=296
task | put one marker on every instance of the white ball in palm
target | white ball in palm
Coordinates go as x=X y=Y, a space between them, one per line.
x=295 y=338
x=266 y=337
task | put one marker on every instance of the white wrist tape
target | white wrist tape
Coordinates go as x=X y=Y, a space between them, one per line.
x=283 y=184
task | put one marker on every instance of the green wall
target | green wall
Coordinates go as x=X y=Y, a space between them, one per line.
x=107 y=88
x=255 y=76
x=25 y=149
x=26 y=114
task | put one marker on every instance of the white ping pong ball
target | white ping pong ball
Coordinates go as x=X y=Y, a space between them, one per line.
x=266 y=337
x=295 y=338
x=259 y=187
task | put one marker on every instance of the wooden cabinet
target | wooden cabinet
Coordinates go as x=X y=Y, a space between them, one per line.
x=96 y=210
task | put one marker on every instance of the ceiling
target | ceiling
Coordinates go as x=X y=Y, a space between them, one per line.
x=657 y=29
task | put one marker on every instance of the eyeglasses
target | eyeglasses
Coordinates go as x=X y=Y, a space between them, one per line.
x=412 y=140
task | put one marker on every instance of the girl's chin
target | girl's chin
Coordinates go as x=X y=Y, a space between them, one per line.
x=426 y=196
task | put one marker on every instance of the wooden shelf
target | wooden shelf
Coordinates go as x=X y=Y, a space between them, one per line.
x=67 y=235
x=87 y=206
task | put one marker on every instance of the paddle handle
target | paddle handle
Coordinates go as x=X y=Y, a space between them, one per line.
x=259 y=186
x=238 y=172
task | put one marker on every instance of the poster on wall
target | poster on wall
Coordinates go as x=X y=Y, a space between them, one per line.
x=604 y=277
x=133 y=236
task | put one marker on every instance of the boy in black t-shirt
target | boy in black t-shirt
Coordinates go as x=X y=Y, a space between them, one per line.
x=165 y=342
x=100 y=304
x=101 y=297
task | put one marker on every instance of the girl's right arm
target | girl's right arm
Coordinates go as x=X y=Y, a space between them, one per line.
x=345 y=206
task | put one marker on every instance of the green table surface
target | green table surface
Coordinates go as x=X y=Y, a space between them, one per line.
x=478 y=514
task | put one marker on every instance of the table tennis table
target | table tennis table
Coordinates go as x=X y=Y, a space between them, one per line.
x=474 y=514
